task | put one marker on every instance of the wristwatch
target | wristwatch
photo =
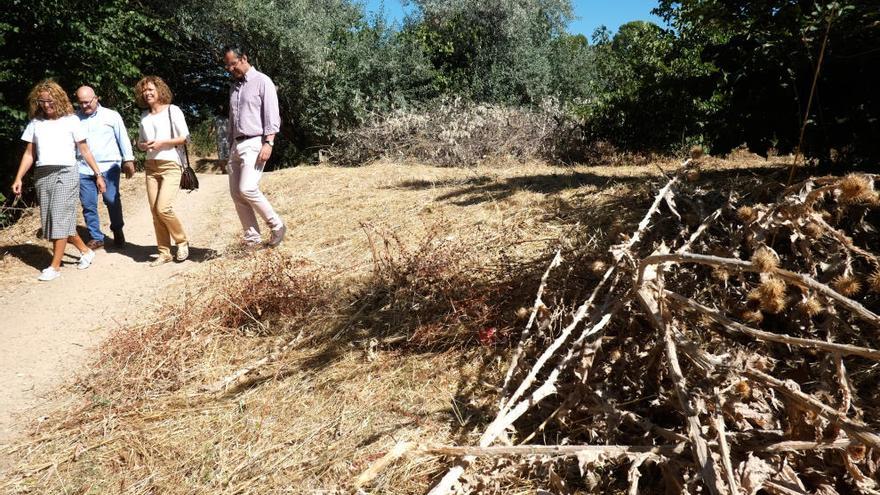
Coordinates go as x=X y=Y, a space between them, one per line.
x=270 y=143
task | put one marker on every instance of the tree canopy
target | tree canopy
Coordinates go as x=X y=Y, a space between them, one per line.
x=721 y=73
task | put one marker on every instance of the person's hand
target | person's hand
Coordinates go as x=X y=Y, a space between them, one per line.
x=102 y=186
x=16 y=187
x=151 y=145
x=265 y=153
x=128 y=169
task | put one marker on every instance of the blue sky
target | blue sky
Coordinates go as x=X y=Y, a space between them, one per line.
x=591 y=13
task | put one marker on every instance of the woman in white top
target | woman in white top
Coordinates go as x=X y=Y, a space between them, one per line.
x=53 y=136
x=162 y=131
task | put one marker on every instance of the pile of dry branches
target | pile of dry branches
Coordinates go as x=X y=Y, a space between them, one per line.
x=457 y=133
x=731 y=346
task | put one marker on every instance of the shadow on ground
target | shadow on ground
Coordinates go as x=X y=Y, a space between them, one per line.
x=484 y=188
x=380 y=315
x=370 y=323
x=38 y=255
x=210 y=166
x=142 y=254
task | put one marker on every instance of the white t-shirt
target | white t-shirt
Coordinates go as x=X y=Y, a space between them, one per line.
x=55 y=139
x=158 y=127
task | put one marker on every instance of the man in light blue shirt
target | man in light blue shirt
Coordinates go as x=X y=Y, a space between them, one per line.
x=108 y=140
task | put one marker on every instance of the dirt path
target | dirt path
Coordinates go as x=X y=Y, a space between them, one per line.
x=46 y=329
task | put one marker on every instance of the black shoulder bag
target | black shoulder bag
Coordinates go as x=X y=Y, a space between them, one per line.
x=188 y=179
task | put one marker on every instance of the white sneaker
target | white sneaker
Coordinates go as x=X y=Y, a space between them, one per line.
x=182 y=252
x=277 y=236
x=86 y=260
x=49 y=274
x=161 y=260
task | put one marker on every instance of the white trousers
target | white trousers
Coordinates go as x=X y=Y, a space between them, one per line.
x=244 y=187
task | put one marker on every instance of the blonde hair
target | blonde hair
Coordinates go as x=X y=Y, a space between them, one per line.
x=163 y=92
x=61 y=101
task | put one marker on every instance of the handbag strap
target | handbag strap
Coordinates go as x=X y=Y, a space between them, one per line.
x=185 y=148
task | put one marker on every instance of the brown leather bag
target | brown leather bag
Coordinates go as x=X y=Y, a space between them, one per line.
x=188 y=179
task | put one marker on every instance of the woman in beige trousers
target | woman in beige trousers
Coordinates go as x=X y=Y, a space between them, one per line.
x=162 y=131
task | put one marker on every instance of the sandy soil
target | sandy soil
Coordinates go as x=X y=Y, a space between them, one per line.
x=47 y=329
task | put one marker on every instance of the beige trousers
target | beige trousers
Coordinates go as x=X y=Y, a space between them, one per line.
x=244 y=186
x=163 y=181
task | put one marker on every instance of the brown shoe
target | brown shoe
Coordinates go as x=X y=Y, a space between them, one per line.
x=93 y=244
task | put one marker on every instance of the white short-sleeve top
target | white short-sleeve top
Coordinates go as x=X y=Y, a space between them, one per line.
x=158 y=126
x=55 y=139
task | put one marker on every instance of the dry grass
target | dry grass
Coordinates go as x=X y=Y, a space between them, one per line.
x=383 y=286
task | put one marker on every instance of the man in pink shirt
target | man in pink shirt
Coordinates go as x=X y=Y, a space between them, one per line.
x=254 y=120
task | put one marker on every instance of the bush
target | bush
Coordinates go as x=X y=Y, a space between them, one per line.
x=458 y=133
x=203 y=137
x=435 y=294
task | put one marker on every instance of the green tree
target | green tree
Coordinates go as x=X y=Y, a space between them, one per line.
x=647 y=92
x=77 y=42
x=765 y=54
x=571 y=67
x=102 y=44
x=491 y=50
x=332 y=67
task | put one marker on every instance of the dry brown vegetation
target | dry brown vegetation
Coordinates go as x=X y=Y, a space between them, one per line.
x=653 y=376
x=457 y=133
x=390 y=314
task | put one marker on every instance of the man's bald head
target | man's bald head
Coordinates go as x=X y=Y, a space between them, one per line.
x=87 y=100
x=85 y=92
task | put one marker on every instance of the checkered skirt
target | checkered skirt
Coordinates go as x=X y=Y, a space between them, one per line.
x=58 y=194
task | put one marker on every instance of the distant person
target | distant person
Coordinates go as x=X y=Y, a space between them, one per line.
x=162 y=131
x=254 y=120
x=108 y=140
x=53 y=136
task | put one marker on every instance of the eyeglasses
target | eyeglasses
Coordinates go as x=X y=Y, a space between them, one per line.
x=88 y=102
x=46 y=102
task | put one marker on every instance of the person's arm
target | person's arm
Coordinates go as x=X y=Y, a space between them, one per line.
x=271 y=119
x=229 y=122
x=180 y=131
x=142 y=136
x=124 y=146
x=168 y=144
x=90 y=160
x=27 y=160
